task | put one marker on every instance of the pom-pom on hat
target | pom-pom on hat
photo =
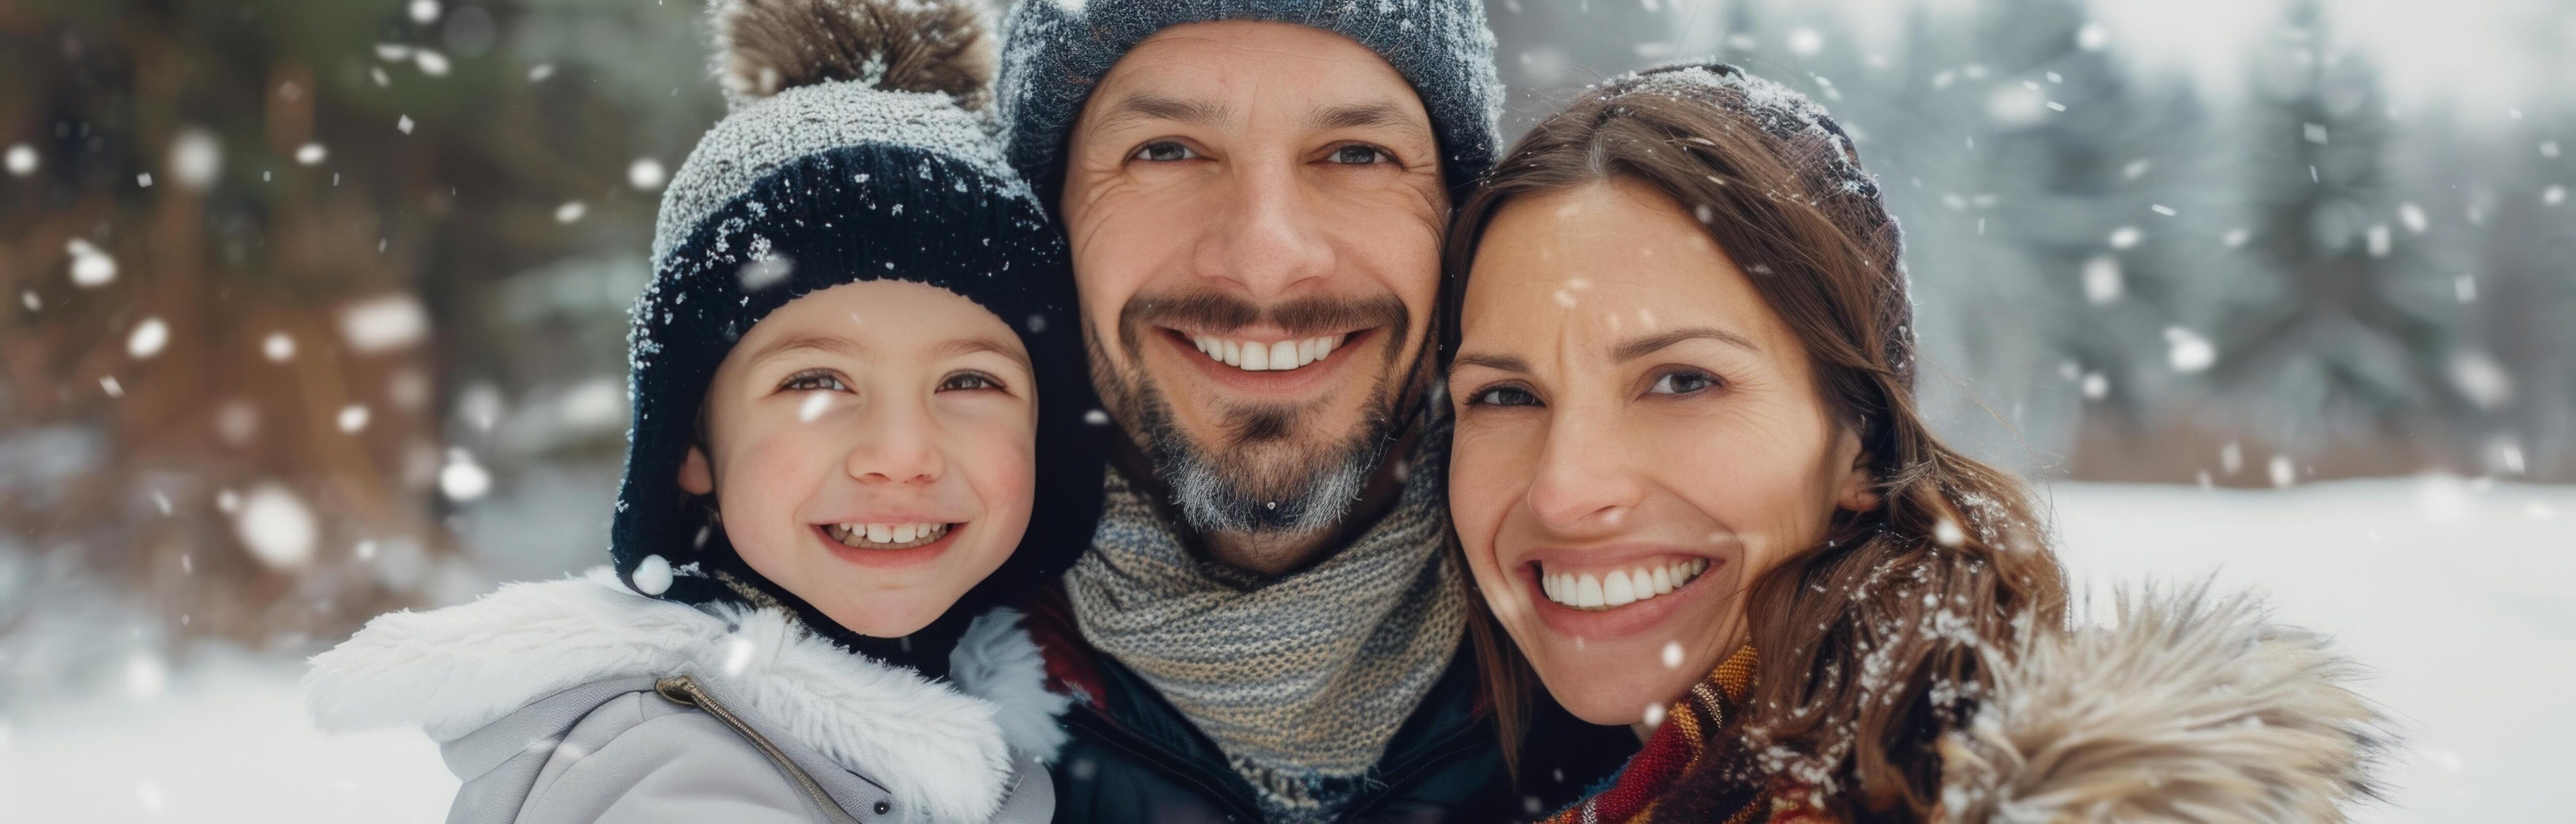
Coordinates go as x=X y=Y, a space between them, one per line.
x=856 y=147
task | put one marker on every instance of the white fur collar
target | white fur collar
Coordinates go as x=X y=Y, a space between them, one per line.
x=2193 y=706
x=454 y=670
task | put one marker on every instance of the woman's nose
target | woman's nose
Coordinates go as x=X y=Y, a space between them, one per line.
x=896 y=445
x=1584 y=481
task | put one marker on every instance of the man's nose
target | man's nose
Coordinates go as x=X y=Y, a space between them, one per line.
x=1270 y=239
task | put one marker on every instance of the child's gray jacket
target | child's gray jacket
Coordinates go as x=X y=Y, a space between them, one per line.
x=579 y=701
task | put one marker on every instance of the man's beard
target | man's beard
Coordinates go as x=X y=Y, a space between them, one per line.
x=1259 y=480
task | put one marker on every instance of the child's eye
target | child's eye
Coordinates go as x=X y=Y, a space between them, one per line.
x=1683 y=382
x=1163 y=151
x=1506 y=395
x=812 y=380
x=969 y=381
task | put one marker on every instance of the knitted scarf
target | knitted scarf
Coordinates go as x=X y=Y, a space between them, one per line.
x=1679 y=746
x=1301 y=679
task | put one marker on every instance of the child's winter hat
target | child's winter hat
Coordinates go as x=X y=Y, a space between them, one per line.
x=856 y=147
x=1055 y=51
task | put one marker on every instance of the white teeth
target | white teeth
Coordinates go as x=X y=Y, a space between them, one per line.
x=899 y=536
x=1615 y=589
x=1266 y=356
x=1619 y=587
x=1587 y=591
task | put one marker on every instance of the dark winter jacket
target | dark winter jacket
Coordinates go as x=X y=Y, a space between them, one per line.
x=1133 y=758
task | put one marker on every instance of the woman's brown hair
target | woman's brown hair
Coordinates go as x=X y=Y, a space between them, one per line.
x=1870 y=641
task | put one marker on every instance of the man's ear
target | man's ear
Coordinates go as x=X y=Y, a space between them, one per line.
x=696 y=475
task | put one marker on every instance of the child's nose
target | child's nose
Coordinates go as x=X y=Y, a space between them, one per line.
x=899 y=447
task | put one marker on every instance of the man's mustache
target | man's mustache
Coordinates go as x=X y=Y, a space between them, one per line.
x=1217 y=312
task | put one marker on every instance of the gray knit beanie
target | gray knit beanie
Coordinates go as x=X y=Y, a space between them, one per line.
x=1055 y=51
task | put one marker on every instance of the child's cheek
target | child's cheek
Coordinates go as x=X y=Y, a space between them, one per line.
x=1003 y=455
x=771 y=476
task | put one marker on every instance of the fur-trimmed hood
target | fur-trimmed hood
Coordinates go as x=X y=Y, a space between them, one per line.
x=454 y=670
x=2190 y=707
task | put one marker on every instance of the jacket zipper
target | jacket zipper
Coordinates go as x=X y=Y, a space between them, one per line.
x=1111 y=732
x=683 y=690
x=1437 y=753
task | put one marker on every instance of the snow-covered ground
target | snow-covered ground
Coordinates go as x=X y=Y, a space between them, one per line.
x=2461 y=596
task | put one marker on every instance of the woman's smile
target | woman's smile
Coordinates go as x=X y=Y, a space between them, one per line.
x=1590 y=605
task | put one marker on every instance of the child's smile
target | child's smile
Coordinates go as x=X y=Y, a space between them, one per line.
x=872 y=448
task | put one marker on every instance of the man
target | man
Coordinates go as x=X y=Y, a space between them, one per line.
x=1268 y=626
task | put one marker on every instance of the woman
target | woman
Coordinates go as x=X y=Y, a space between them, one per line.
x=1693 y=488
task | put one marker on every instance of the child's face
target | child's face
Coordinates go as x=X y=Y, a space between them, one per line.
x=872 y=449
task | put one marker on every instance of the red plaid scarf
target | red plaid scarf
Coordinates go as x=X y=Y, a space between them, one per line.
x=1676 y=748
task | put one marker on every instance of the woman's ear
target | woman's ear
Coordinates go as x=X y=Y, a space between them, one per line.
x=1858 y=489
x=696 y=475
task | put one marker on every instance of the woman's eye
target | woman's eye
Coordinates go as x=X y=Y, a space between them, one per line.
x=1683 y=383
x=1503 y=396
x=1164 y=151
x=810 y=381
x=969 y=381
x=1360 y=154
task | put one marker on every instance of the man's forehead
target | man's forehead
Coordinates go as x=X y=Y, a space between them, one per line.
x=1214 y=73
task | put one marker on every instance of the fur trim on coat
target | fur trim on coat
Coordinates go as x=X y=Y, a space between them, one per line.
x=454 y=670
x=2192 y=707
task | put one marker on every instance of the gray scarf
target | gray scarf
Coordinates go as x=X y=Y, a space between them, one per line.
x=1300 y=679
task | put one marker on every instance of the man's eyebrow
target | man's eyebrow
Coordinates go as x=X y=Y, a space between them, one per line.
x=954 y=347
x=1149 y=106
x=1504 y=363
x=1356 y=115
x=1635 y=348
x=807 y=342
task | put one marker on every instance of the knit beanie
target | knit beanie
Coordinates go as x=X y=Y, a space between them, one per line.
x=1055 y=51
x=1828 y=169
x=856 y=147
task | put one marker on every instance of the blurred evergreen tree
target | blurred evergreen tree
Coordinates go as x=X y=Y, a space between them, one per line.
x=317 y=209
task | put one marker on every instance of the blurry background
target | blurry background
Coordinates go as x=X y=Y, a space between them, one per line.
x=316 y=309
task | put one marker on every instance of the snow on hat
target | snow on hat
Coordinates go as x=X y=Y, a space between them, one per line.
x=1822 y=156
x=1055 y=51
x=856 y=147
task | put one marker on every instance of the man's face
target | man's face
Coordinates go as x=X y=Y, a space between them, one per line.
x=1255 y=211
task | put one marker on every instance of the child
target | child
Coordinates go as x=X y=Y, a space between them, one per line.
x=848 y=412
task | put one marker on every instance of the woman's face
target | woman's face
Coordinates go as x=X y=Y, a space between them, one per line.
x=1638 y=437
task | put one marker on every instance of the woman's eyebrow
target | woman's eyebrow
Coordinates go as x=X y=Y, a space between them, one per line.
x=1504 y=363
x=1635 y=348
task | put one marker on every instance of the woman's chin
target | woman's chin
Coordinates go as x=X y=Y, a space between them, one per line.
x=1603 y=684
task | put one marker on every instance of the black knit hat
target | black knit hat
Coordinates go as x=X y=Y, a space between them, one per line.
x=1057 y=51
x=871 y=169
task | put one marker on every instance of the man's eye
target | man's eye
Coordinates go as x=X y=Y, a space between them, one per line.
x=1503 y=396
x=1164 y=151
x=1360 y=154
x=810 y=381
x=969 y=381
x=1683 y=383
